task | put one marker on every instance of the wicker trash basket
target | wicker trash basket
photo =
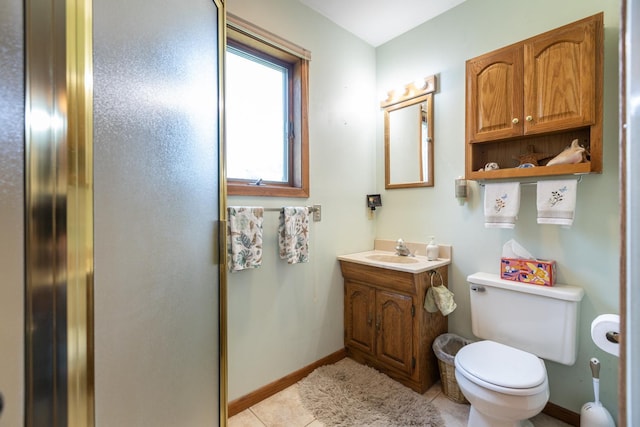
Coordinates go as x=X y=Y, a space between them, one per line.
x=445 y=347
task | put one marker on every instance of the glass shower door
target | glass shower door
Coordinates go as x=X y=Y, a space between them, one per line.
x=156 y=134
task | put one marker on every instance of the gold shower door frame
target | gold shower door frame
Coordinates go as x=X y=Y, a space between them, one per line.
x=59 y=213
x=59 y=264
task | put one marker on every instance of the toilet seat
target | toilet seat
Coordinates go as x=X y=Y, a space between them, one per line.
x=502 y=368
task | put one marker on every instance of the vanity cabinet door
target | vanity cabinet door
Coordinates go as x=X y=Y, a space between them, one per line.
x=559 y=79
x=394 y=327
x=494 y=95
x=359 y=313
x=385 y=325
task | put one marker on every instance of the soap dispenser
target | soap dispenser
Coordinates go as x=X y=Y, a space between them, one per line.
x=432 y=249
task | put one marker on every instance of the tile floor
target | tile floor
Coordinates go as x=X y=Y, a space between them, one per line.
x=284 y=409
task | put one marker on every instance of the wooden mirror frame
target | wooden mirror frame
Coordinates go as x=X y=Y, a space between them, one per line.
x=412 y=94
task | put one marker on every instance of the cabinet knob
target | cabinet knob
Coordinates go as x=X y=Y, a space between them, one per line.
x=529 y=118
x=515 y=121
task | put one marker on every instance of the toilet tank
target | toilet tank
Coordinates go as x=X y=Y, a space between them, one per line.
x=542 y=320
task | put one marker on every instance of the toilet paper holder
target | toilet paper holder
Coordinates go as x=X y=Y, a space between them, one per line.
x=605 y=333
x=613 y=336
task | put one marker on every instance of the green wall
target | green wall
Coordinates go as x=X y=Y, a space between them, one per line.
x=282 y=318
x=587 y=254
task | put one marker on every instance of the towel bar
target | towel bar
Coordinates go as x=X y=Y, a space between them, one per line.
x=312 y=209
x=482 y=183
x=316 y=210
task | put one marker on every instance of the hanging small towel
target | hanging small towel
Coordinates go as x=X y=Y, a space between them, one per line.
x=556 y=201
x=244 y=237
x=430 y=301
x=294 y=234
x=439 y=298
x=501 y=204
x=444 y=299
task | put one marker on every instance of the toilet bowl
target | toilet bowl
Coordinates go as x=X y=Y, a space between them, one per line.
x=505 y=386
x=504 y=377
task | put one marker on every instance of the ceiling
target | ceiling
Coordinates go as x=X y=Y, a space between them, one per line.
x=378 y=21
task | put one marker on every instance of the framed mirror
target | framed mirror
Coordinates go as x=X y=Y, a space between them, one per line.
x=408 y=135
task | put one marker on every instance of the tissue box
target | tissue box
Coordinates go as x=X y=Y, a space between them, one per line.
x=535 y=271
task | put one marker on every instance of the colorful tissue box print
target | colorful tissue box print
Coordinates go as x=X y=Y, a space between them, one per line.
x=534 y=271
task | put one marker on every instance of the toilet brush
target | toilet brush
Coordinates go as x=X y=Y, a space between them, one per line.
x=593 y=414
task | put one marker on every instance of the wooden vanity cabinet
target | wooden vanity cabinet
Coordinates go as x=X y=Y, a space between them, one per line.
x=386 y=326
x=536 y=96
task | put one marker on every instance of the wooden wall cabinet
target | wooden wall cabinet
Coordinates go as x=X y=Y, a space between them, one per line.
x=386 y=326
x=536 y=96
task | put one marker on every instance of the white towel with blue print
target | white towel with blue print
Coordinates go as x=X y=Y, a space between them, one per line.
x=556 y=201
x=501 y=204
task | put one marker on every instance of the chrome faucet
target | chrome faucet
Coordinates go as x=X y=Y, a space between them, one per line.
x=401 y=249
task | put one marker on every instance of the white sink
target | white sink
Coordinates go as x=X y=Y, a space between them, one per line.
x=396 y=259
x=391 y=261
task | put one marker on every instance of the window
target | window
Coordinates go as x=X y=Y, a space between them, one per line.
x=266 y=93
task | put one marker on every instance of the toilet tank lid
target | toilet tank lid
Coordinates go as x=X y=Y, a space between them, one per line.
x=557 y=291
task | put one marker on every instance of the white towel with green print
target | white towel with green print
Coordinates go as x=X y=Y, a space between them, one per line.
x=244 y=237
x=293 y=234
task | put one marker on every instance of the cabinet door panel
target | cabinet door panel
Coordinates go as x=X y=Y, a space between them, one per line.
x=358 y=316
x=559 y=80
x=394 y=324
x=494 y=95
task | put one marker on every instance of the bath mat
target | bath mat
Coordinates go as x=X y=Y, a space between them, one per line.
x=348 y=394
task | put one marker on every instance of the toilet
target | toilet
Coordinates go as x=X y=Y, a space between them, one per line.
x=503 y=376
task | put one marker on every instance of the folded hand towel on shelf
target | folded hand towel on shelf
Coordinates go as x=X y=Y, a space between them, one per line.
x=501 y=204
x=556 y=201
x=244 y=237
x=293 y=234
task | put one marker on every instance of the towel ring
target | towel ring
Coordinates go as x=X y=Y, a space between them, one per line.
x=433 y=273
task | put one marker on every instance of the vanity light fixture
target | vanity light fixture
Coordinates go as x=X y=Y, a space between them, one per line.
x=411 y=90
x=420 y=84
x=397 y=93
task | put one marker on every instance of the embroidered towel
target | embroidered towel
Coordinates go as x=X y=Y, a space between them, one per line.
x=293 y=234
x=556 y=201
x=501 y=204
x=244 y=237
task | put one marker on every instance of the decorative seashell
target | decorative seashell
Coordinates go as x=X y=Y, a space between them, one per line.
x=570 y=155
x=491 y=166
